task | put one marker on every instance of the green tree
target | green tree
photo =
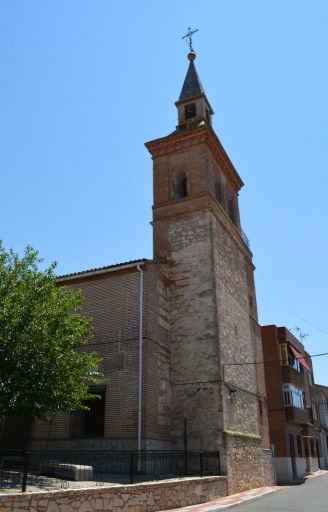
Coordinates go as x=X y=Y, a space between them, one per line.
x=43 y=366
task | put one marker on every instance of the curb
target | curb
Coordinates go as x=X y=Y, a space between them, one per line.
x=244 y=500
x=305 y=479
x=215 y=505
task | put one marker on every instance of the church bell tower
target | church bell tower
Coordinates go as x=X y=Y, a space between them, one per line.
x=212 y=302
x=193 y=106
x=192 y=172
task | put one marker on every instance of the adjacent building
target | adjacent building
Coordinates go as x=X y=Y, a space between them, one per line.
x=292 y=408
x=321 y=393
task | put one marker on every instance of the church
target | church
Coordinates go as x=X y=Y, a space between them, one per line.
x=176 y=331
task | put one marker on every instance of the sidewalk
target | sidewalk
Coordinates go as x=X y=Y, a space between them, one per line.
x=228 y=501
x=235 y=499
x=303 y=479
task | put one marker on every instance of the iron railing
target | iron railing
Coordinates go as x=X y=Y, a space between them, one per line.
x=20 y=469
x=245 y=238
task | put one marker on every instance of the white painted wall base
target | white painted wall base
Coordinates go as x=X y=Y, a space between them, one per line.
x=284 y=468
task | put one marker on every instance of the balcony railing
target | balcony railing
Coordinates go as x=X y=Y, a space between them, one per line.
x=289 y=375
x=307 y=431
x=245 y=238
x=297 y=416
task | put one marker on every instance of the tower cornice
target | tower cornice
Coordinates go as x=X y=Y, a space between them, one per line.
x=184 y=139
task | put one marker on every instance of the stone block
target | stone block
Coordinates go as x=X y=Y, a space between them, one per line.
x=66 y=508
x=85 y=507
x=74 y=472
x=99 y=505
x=52 y=507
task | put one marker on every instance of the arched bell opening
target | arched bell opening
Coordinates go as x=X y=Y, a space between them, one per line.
x=180 y=186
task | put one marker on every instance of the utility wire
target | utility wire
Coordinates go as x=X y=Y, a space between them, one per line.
x=323 y=331
x=112 y=342
x=275 y=361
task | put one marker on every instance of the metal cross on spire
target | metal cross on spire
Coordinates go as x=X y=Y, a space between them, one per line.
x=188 y=37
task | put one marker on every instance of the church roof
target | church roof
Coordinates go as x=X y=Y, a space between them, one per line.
x=192 y=85
x=101 y=270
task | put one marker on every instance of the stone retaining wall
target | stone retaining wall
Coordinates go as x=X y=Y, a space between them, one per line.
x=145 y=497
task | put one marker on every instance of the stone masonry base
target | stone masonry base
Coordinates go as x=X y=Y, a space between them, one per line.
x=145 y=497
x=249 y=465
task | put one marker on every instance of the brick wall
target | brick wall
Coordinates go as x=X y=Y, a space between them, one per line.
x=112 y=300
x=273 y=375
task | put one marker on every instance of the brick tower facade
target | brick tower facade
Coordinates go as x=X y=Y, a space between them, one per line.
x=213 y=316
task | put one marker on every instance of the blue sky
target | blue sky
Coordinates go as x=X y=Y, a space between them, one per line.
x=85 y=84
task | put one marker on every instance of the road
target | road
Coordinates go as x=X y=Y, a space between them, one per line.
x=311 y=496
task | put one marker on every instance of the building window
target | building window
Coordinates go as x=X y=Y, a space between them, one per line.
x=190 y=110
x=288 y=358
x=283 y=354
x=294 y=362
x=181 y=186
x=299 y=446
x=90 y=423
x=293 y=397
x=287 y=397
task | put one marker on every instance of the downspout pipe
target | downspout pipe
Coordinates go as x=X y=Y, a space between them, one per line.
x=140 y=349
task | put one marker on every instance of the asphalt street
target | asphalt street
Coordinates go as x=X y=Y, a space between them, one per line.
x=311 y=496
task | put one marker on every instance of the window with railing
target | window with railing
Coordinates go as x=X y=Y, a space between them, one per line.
x=293 y=397
x=294 y=362
x=288 y=358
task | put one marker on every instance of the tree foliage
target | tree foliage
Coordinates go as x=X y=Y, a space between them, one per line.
x=43 y=367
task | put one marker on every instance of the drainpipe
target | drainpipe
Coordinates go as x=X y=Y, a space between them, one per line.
x=140 y=356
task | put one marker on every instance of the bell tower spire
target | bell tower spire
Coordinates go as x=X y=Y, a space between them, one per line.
x=194 y=109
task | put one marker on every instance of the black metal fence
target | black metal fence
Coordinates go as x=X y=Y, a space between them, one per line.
x=20 y=469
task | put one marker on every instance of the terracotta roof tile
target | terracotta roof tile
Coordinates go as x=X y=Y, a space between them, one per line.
x=100 y=269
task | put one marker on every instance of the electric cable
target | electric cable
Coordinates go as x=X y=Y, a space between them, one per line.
x=311 y=324
x=275 y=361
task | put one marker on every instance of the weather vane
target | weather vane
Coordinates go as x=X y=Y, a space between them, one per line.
x=188 y=37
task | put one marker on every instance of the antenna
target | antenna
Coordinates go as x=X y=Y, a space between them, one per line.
x=301 y=334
